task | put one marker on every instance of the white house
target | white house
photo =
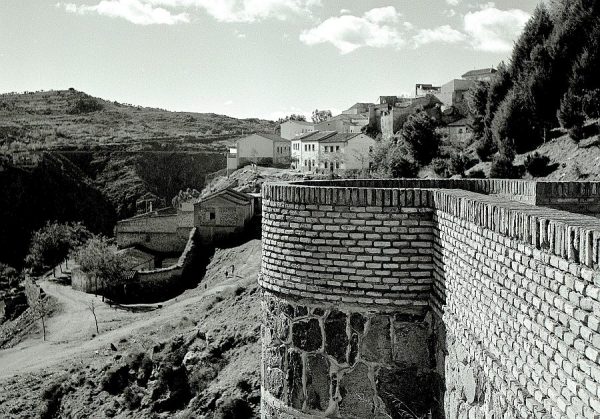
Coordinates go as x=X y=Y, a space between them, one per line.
x=262 y=149
x=330 y=152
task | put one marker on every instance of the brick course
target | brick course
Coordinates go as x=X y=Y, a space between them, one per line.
x=514 y=284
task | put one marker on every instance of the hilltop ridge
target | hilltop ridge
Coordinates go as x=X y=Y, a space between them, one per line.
x=67 y=118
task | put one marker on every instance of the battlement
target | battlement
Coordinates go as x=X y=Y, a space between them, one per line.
x=480 y=291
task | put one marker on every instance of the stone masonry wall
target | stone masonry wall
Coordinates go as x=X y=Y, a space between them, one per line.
x=490 y=308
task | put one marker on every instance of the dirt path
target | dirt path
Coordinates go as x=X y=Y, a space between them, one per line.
x=70 y=330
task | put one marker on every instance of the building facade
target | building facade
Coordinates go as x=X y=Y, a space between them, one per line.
x=292 y=129
x=331 y=152
x=261 y=149
x=222 y=213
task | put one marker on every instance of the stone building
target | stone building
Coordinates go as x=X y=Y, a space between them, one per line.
x=458 y=132
x=222 y=214
x=484 y=74
x=431 y=298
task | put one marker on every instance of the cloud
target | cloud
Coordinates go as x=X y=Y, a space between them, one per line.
x=135 y=11
x=145 y=12
x=494 y=30
x=453 y=2
x=228 y=103
x=443 y=34
x=348 y=33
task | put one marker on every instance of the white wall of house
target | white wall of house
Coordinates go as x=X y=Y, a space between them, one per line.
x=291 y=129
x=357 y=152
x=281 y=152
x=332 y=157
x=296 y=154
x=310 y=156
x=254 y=147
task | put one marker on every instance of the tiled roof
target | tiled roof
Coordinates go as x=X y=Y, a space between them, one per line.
x=480 y=72
x=228 y=193
x=272 y=137
x=328 y=136
x=300 y=122
x=460 y=123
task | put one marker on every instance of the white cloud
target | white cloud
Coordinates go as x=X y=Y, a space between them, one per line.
x=348 y=33
x=453 y=2
x=443 y=34
x=494 y=30
x=135 y=11
x=345 y=12
x=228 y=103
x=146 y=12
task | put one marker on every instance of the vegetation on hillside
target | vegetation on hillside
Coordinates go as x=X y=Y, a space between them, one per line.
x=552 y=79
x=68 y=118
x=55 y=190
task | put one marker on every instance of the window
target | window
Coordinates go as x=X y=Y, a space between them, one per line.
x=337 y=164
x=305 y=163
x=313 y=147
x=326 y=165
x=305 y=147
x=212 y=215
x=460 y=131
x=313 y=162
x=337 y=148
x=371 y=149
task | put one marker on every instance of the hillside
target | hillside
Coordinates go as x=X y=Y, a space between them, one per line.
x=56 y=190
x=196 y=355
x=69 y=118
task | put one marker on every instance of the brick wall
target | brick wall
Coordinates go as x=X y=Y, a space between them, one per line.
x=503 y=292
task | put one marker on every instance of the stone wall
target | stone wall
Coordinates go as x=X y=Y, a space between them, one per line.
x=146 y=285
x=480 y=305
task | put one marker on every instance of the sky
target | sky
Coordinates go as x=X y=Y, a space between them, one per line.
x=251 y=58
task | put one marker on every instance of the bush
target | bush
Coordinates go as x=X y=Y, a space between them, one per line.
x=591 y=104
x=52 y=397
x=235 y=409
x=131 y=398
x=502 y=168
x=571 y=111
x=441 y=167
x=537 y=164
x=485 y=148
x=115 y=379
x=85 y=105
x=458 y=164
x=476 y=174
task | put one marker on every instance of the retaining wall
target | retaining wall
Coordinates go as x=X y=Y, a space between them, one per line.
x=381 y=300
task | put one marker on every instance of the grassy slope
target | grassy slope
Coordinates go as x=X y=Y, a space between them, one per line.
x=43 y=117
x=216 y=330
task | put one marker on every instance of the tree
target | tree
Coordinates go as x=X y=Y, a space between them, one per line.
x=101 y=263
x=320 y=116
x=477 y=98
x=92 y=307
x=421 y=137
x=391 y=159
x=51 y=244
x=292 y=117
x=537 y=29
x=9 y=276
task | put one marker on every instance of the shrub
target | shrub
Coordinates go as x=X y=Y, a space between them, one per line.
x=502 y=168
x=476 y=174
x=571 y=111
x=458 y=164
x=537 y=164
x=591 y=104
x=235 y=409
x=420 y=135
x=85 y=105
x=115 y=379
x=131 y=398
x=52 y=397
x=441 y=167
x=485 y=148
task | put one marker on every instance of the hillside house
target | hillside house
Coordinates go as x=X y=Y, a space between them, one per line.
x=484 y=74
x=148 y=202
x=422 y=90
x=292 y=129
x=26 y=159
x=331 y=152
x=358 y=108
x=344 y=123
x=263 y=149
x=223 y=213
x=459 y=132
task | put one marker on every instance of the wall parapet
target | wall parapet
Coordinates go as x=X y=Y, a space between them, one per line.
x=506 y=286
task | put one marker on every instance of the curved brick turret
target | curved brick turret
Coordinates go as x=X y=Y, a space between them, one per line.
x=457 y=298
